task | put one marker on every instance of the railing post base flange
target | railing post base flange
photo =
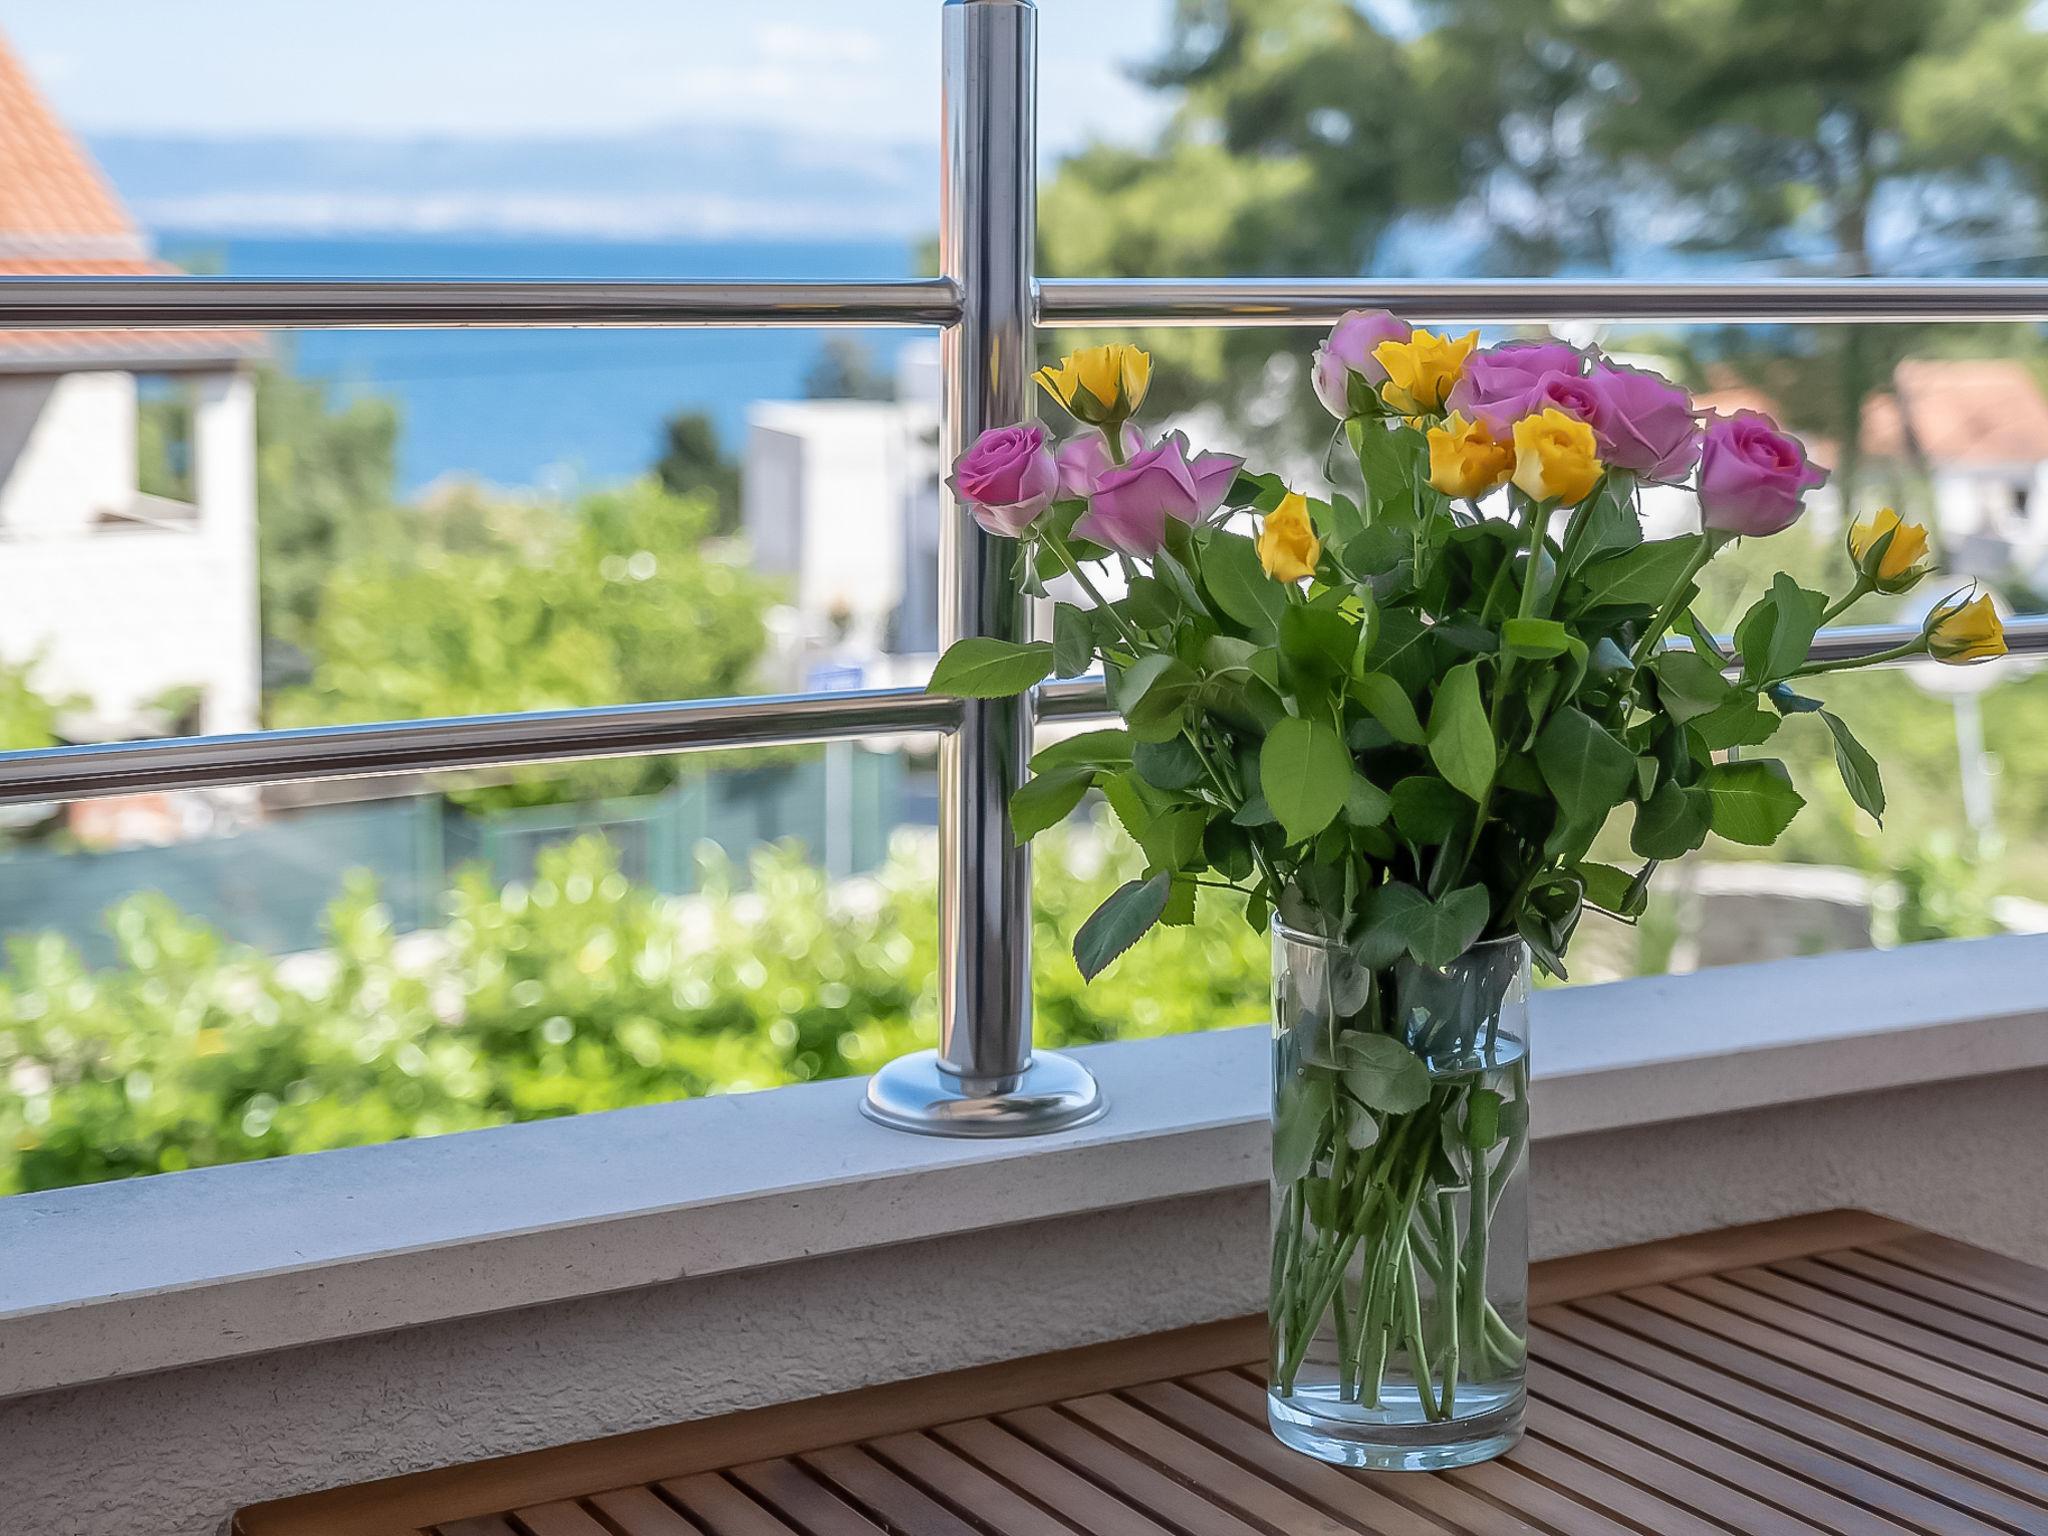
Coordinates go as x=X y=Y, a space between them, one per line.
x=914 y=1093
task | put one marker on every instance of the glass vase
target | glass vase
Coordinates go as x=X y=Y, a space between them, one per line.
x=1400 y=1270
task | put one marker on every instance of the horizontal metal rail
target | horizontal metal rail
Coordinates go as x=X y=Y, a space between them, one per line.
x=176 y=302
x=474 y=741
x=1230 y=301
x=623 y=730
x=172 y=302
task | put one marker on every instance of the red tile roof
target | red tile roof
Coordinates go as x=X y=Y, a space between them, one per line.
x=60 y=217
x=1984 y=411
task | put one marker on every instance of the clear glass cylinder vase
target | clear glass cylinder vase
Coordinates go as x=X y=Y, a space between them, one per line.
x=1400 y=1212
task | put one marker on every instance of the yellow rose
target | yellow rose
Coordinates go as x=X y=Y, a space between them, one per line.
x=1422 y=369
x=1465 y=460
x=1556 y=458
x=1100 y=385
x=1959 y=632
x=1901 y=562
x=1288 y=546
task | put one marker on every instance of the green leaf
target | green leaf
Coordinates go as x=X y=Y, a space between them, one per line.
x=1386 y=917
x=1672 y=822
x=1305 y=774
x=1316 y=649
x=1689 y=685
x=1303 y=1109
x=1449 y=926
x=1240 y=585
x=1383 y=1074
x=1153 y=696
x=1046 y=799
x=1173 y=840
x=1171 y=764
x=1120 y=922
x=1073 y=641
x=1751 y=801
x=1583 y=764
x=1427 y=810
x=1385 y=701
x=1179 y=911
x=1741 y=722
x=1640 y=577
x=1858 y=767
x=1482 y=1119
x=1095 y=749
x=1610 y=889
x=1534 y=638
x=1365 y=803
x=1776 y=633
x=1611 y=522
x=980 y=668
x=1460 y=739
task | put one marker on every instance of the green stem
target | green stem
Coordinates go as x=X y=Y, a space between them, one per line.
x=1447 y=1309
x=1473 y=1285
x=1855 y=595
x=1539 y=518
x=1411 y=1325
x=1913 y=647
x=1710 y=545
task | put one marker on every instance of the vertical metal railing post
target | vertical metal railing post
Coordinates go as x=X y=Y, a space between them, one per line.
x=984 y=1079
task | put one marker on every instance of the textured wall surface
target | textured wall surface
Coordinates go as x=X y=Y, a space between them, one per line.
x=172 y=1454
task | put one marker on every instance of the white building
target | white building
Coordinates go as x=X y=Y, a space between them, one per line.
x=116 y=598
x=1974 y=431
x=841 y=498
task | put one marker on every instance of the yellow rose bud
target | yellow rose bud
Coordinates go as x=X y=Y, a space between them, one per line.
x=1100 y=385
x=1556 y=458
x=1465 y=460
x=1288 y=546
x=1422 y=369
x=1959 y=632
x=1889 y=564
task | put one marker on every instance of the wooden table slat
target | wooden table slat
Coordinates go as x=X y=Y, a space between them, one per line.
x=721 y=1507
x=1957 y=1298
x=641 y=1512
x=1745 y=1317
x=1833 y=1375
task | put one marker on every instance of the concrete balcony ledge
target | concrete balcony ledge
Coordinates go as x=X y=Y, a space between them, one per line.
x=113 y=1280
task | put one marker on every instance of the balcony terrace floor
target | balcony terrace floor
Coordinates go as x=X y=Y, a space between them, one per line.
x=1839 y=1372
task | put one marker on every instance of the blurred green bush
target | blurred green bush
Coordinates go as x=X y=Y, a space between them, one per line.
x=577 y=991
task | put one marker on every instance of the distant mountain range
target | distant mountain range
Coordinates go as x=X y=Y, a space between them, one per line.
x=699 y=181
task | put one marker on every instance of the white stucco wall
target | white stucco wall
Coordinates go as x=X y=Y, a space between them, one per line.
x=67 y=450
x=120 y=614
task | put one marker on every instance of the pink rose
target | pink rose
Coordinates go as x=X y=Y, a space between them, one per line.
x=1643 y=422
x=1752 y=476
x=1007 y=478
x=1349 y=350
x=1129 y=509
x=1084 y=459
x=1497 y=383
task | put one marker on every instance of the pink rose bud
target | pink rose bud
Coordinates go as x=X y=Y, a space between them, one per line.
x=1007 y=478
x=1084 y=459
x=1643 y=422
x=1129 y=509
x=1496 y=387
x=1349 y=350
x=1753 y=478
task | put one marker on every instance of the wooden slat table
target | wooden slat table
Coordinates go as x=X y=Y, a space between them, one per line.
x=1835 y=1373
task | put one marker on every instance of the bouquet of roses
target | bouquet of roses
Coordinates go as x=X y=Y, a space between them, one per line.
x=1397 y=714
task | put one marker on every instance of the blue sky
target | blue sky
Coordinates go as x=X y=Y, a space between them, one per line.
x=866 y=68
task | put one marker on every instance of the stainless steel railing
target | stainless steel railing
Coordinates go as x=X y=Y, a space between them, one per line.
x=984 y=1079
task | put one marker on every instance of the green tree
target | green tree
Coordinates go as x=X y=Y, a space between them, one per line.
x=846 y=370
x=1536 y=136
x=693 y=460
x=613 y=599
